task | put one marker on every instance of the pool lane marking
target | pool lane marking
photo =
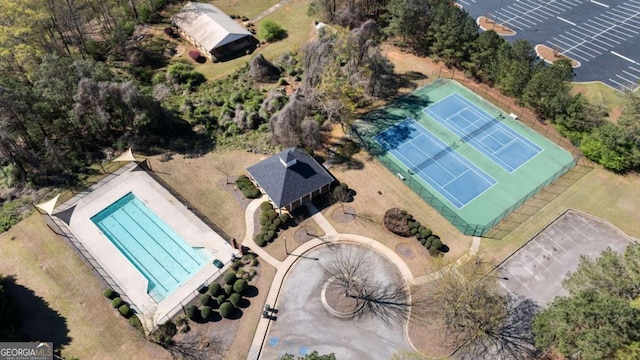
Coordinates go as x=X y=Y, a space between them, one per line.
x=599 y=3
x=565 y=20
x=623 y=57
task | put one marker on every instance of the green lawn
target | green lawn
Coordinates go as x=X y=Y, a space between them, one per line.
x=600 y=94
x=248 y=8
x=600 y=193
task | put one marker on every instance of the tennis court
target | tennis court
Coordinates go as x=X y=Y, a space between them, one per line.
x=484 y=132
x=474 y=183
x=435 y=162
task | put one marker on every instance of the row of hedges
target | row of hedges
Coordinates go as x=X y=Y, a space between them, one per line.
x=123 y=308
x=402 y=223
x=245 y=185
x=225 y=298
x=270 y=224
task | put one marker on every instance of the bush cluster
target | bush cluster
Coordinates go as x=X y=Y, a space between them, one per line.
x=226 y=310
x=245 y=185
x=270 y=224
x=271 y=31
x=192 y=312
x=402 y=223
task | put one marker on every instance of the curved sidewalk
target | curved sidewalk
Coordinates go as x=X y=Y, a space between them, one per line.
x=331 y=236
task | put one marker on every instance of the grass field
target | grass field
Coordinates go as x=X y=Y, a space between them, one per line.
x=248 y=8
x=71 y=305
x=600 y=94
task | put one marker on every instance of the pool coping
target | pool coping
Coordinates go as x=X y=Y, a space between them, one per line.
x=76 y=215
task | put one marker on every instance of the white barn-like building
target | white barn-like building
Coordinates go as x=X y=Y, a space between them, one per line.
x=212 y=31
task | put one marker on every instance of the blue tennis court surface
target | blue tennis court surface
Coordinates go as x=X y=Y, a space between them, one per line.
x=485 y=133
x=453 y=176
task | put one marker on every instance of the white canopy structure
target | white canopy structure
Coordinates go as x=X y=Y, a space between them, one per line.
x=48 y=206
x=126 y=156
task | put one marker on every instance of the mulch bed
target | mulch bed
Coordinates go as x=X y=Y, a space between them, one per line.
x=343 y=216
x=500 y=29
x=338 y=301
x=405 y=251
x=550 y=55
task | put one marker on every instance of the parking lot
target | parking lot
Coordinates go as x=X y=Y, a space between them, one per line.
x=537 y=269
x=602 y=35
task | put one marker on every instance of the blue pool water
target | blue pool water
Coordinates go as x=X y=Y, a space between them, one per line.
x=150 y=245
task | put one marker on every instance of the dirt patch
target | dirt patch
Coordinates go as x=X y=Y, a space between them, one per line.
x=338 y=300
x=344 y=214
x=552 y=55
x=428 y=337
x=488 y=24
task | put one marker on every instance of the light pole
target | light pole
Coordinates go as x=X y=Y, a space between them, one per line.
x=300 y=256
x=498 y=13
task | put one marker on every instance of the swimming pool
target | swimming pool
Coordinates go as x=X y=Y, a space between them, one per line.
x=160 y=254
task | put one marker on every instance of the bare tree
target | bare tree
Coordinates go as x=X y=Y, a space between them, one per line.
x=351 y=268
x=225 y=166
x=481 y=320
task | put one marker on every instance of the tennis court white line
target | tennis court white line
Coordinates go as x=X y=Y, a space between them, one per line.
x=565 y=20
x=489 y=151
x=461 y=159
x=599 y=3
x=623 y=57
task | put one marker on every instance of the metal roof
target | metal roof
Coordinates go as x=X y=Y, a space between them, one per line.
x=209 y=26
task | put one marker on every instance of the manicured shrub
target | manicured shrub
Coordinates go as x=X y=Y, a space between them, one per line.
x=417 y=224
x=228 y=289
x=414 y=231
x=433 y=251
x=277 y=222
x=266 y=206
x=194 y=55
x=230 y=278
x=284 y=218
x=192 y=312
x=234 y=299
x=108 y=293
x=226 y=310
x=425 y=233
x=272 y=215
x=205 y=300
x=264 y=228
x=246 y=186
x=221 y=299
x=135 y=322
x=436 y=243
x=431 y=238
x=205 y=312
x=260 y=241
x=117 y=302
x=412 y=224
x=428 y=243
x=265 y=220
x=271 y=31
x=214 y=289
x=240 y=286
x=423 y=241
x=272 y=227
x=124 y=310
x=270 y=234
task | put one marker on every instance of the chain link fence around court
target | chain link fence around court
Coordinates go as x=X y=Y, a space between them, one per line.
x=509 y=106
x=527 y=205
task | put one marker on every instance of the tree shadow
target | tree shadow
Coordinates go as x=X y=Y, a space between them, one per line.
x=37 y=320
x=236 y=314
x=244 y=303
x=250 y=291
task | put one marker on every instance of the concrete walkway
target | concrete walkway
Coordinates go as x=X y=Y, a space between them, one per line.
x=331 y=236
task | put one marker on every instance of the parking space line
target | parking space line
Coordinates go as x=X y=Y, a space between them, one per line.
x=599 y=3
x=593 y=43
x=634 y=69
x=625 y=79
x=636 y=77
x=623 y=57
x=536 y=259
x=558 y=245
x=620 y=85
x=526 y=268
x=565 y=20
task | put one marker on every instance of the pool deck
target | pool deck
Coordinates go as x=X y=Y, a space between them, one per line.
x=132 y=178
